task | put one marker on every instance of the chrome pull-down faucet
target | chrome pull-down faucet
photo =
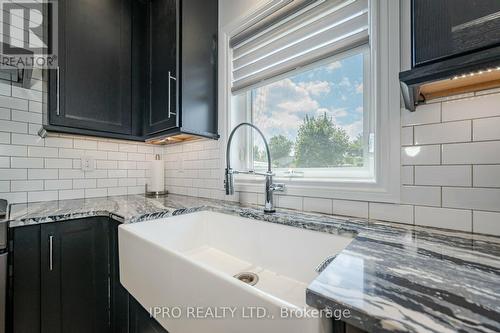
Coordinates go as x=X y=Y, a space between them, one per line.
x=270 y=186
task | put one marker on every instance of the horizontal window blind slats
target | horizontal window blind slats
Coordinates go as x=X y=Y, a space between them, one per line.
x=299 y=21
x=318 y=31
x=327 y=24
x=325 y=40
x=355 y=40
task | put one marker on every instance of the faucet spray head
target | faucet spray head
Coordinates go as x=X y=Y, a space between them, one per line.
x=229 y=182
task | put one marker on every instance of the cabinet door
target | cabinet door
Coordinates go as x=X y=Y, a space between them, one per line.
x=92 y=88
x=141 y=321
x=199 y=66
x=24 y=285
x=161 y=113
x=74 y=276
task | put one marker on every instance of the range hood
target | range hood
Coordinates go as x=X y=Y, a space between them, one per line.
x=17 y=74
x=455 y=46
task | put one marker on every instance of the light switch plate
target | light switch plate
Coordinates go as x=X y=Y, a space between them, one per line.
x=88 y=163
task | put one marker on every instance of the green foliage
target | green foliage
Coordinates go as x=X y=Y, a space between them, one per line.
x=258 y=155
x=280 y=148
x=355 y=152
x=320 y=143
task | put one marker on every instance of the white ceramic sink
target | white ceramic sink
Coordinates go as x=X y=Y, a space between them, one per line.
x=185 y=265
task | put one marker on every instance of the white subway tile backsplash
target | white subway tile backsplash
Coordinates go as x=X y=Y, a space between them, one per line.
x=486 y=129
x=472 y=153
x=117 y=173
x=106 y=164
x=449 y=175
x=127 y=148
x=486 y=223
x=96 y=192
x=111 y=146
x=11 y=174
x=407 y=136
x=421 y=155
x=84 y=183
x=58 y=142
x=457 y=131
x=350 y=208
x=472 y=198
x=4 y=186
x=11 y=150
x=4 y=162
x=71 y=174
x=118 y=156
x=290 y=202
x=421 y=195
x=26 y=185
x=13 y=103
x=425 y=114
x=4 y=114
x=117 y=191
x=26 y=162
x=318 y=205
x=107 y=182
x=470 y=108
x=127 y=182
x=97 y=174
x=13 y=126
x=27 y=117
x=4 y=137
x=15 y=197
x=26 y=139
x=58 y=184
x=58 y=163
x=71 y=194
x=457 y=219
x=42 y=196
x=487 y=176
x=84 y=144
x=407 y=175
x=391 y=212
x=42 y=152
x=42 y=173
x=71 y=153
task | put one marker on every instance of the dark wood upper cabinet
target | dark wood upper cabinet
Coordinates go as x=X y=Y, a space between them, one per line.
x=182 y=96
x=162 y=31
x=135 y=69
x=92 y=89
x=443 y=29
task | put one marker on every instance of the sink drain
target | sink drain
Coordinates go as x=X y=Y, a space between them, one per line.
x=248 y=277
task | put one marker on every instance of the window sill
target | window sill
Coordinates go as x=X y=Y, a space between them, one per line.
x=355 y=189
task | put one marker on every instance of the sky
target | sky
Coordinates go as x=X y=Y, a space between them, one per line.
x=335 y=88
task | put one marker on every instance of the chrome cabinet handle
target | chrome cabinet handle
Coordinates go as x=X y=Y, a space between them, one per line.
x=51 y=260
x=170 y=113
x=58 y=112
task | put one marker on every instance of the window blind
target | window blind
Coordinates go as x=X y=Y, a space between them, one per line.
x=320 y=29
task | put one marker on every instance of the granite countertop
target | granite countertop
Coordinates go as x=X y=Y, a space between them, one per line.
x=392 y=278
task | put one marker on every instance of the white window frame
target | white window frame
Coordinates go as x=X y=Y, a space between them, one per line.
x=384 y=68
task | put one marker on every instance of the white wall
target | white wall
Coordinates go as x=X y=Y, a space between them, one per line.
x=35 y=169
x=452 y=183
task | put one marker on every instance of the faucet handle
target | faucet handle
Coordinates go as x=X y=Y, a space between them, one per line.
x=277 y=187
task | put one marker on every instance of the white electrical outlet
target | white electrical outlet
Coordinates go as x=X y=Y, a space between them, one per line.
x=88 y=163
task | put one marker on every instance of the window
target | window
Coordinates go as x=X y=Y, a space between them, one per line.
x=317 y=121
x=320 y=81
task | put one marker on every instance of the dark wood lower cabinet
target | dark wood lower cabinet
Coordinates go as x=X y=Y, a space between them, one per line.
x=141 y=321
x=60 y=277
